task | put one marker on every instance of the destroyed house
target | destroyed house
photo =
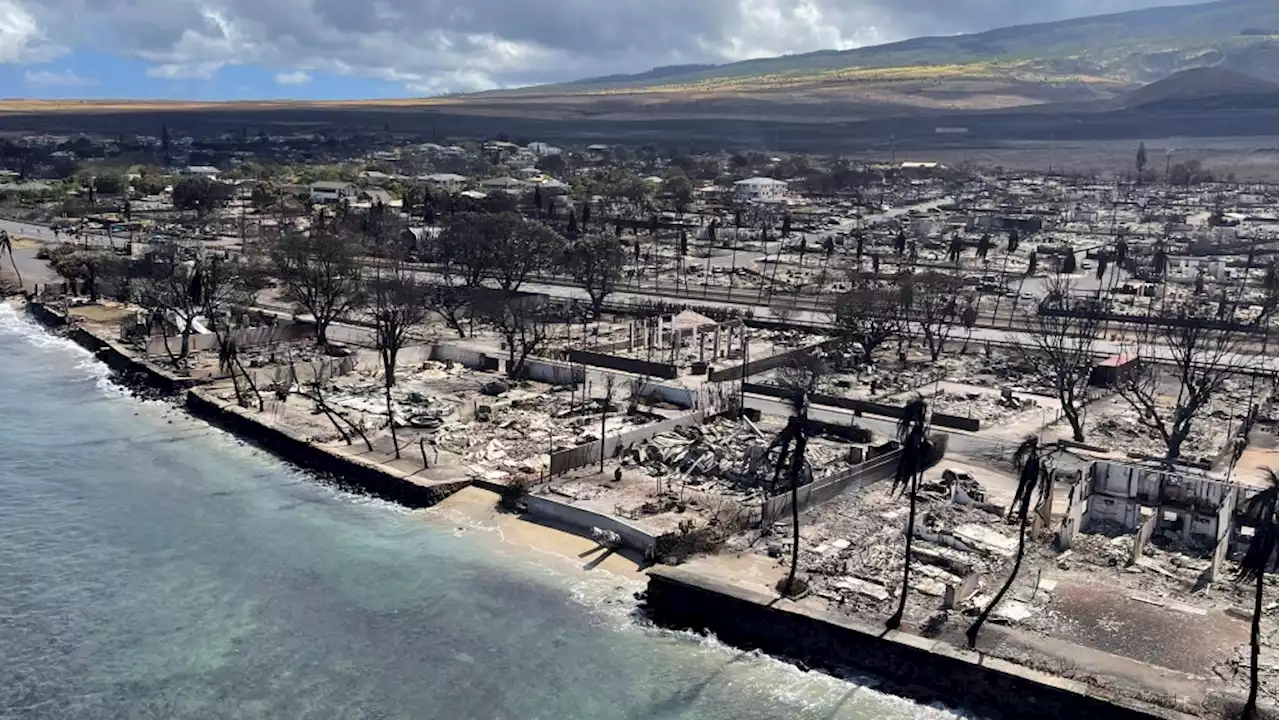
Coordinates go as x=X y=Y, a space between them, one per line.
x=1189 y=507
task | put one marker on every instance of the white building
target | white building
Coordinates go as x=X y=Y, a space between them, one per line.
x=508 y=184
x=327 y=191
x=542 y=149
x=760 y=189
x=448 y=182
x=206 y=171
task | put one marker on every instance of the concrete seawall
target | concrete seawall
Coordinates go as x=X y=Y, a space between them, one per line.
x=137 y=369
x=377 y=479
x=347 y=469
x=581 y=521
x=927 y=670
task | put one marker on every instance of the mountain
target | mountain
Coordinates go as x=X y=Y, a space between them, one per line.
x=1081 y=59
x=1205 y=88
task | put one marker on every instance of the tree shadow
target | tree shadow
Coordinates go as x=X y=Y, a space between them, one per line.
x=844 y=699
x=680 y=700
x=597 y=560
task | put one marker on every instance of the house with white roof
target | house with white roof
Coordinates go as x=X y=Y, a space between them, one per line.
x=448 y=182
x=760 y=189
x=327 y=191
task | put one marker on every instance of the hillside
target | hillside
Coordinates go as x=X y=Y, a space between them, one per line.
x=1108 y=53
x=1209 y=87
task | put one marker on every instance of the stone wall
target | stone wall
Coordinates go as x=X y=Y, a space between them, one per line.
x=927 y=670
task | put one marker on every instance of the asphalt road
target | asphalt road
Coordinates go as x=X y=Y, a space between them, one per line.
x=1258 y=361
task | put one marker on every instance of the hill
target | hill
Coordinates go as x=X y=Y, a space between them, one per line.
x=1097 y=56
x=1205 y=88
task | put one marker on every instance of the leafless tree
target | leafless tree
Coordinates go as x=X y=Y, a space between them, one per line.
x=450 y=302
x=595 y=261
x=230 y=286
x=1061 y=351
x=609 y=382
x=319 y=270
x=524 y=322
x=931 y=302
x=399 y=302
x=1187 y=353
x=868 y=314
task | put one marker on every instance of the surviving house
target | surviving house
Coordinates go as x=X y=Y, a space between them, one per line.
x=760 y=189
x=330 y=191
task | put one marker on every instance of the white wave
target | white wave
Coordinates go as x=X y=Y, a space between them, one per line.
x=14 y=324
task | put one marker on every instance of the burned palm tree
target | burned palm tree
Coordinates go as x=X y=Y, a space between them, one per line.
x=1260 y=511
x=913 y=435
x=1033 y=480
x=801 y=380
x=6 y=248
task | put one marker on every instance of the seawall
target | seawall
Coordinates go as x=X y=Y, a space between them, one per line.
x=346 y=469
x=927 y=670
x=380 y=480
x=137 y=370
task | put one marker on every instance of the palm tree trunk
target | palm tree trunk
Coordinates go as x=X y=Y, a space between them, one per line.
x=1255 y=633
x=972 y=632
x=896 y=619
x=797 y=465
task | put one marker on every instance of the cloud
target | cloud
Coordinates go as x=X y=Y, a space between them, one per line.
x=57 y=78
x=186 y=71
x=438 y=46
x=297 y=77
x=22 y=37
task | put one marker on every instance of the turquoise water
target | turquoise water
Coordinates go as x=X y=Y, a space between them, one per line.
x=153 y=567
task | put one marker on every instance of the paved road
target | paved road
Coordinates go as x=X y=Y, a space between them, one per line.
x=46 y=234
x=1260 y=361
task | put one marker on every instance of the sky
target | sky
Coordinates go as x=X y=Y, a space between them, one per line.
x=354 y=49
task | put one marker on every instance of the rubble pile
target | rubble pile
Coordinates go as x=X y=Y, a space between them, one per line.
x=851 y=548
x=985 y=407
x=732 y=456
x=1119 y=428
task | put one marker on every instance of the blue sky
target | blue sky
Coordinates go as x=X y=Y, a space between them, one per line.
x=88 y=74
x=352 y=49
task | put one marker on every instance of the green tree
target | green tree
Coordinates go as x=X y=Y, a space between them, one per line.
x=319 y=271
x=110 y=184
x=595 y=261
x=680 y=189
x=200 y=194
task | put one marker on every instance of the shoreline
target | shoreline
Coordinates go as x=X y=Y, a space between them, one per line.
x=720 y=607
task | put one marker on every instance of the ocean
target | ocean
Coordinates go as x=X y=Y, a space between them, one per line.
x=154 y=567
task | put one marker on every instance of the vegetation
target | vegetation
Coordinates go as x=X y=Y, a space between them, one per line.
x=319 y=271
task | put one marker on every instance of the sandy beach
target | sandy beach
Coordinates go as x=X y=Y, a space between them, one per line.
x=475 y=510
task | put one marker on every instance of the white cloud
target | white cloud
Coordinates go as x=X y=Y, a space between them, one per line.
x=185 y=71
x=436 y=46
x=57 y=78
x=297 y=77
x=22 y=40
